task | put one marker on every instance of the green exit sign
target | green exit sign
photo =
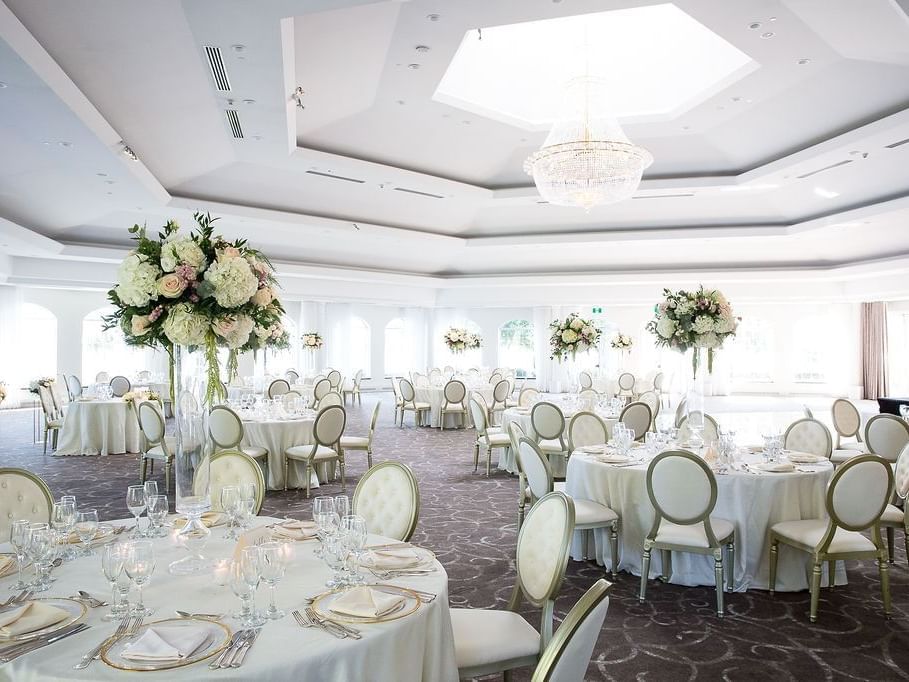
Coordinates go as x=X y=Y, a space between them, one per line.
x=596 y=311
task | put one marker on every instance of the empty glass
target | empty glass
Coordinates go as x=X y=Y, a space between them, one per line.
x=335 y=554
x=139 y=566
x=157 y=515
x=113 y=558
x=63 y=519
x=244 y=579
x=135 y=502
x=322 y=509
x=272 y=563
x=342 y=505
x=86 y=529
x=248 y=496
x=150 y=488
x=230 y=505
x=19 y=538
x=354 y=530
x=42 y=548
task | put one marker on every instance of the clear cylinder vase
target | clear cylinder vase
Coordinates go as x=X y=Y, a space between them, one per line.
x=191 y=465
x=695 y=398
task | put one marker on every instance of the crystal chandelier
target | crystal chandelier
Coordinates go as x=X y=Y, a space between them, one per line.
x=586 y=159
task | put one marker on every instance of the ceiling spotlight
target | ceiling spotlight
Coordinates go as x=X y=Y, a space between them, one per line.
x=257 y=137
x=433 y=17
x=400 y=101
x=129 y=152
x=802 y=62
x=423 y=49
x=249 y=101
x=825 y=193
x=297 y=96
x=3 y=85
x=754 y=26
x=768 y=34
x=238 y=48
x=101 y=175
x=65 y=144
x=413 y=66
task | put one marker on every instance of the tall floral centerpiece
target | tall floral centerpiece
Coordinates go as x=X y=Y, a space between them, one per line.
x=312 y=341
x=571 y=336
x=622 y=343
x=192 y=294
x=698 y=321
x=458 y=340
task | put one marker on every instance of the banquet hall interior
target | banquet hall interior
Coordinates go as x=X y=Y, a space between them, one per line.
x=431 y=340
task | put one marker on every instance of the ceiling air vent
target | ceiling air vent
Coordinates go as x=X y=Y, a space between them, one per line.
x=821 y=170
x=422 y=194
x=894 y=145
x=234 y=120
x=217 y=68
x=665 y=196
x=335 y=177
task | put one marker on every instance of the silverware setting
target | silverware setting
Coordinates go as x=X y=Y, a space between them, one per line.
x=401 y=572
x=231 y=657
x=17 y=599
x=128 y=626
x=85 y=597
x=391 y=545
x=328 y=622
x=215 y=664
x=425 y=597
x=200 y=616
x=244 y=649
x=15 y=651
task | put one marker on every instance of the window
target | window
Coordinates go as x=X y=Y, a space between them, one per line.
x=37 y=346
x=279 y=361
x=897 y=342
x=397 y=348
x=516 y=349
x=359 y=354
x=107 y=351
x=810 y=351
x=751 y=352
x=466 y=359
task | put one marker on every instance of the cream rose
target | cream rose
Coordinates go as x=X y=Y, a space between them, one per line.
x=263 y=297
x=228 y=252
x=171 y=286
x=577 y=324
x=569 y=336
x=139 y=325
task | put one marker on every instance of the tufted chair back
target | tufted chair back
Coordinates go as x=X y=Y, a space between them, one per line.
x=527 y=396
x=151 y=422
x=681 y=488
x=501 y=391
x=407 y=392
x=388 y=497
x=454 y=392
x=586 y=428
x=585 y=380
x=626 y=381
x=331 y=399
x=48 y=406
x=846 y=418
x=515 y=434
x=120 y=386
x=809 y=435
x=23 y=495
x=329 y=426
x=547 y=420
x=230 y=467
x=321 y=389
x=478 y=414
x=637 y=417
x=225 y=428
x=334 y=379
x=886 y=435
x=901 y=473
x=535 y=466
x=710 y=432
x=278 y=387
x=859 y=493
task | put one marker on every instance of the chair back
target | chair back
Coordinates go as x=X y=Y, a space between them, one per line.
x=455 y=392
x=710 y=432
x=568 y=653
x=637 y=417
x=807 y=412
x=331 y=398
x=901 y=473
x=230 y=467
x=358 y=377
x=448 y=369
x=102 y=377
x=527 y=396
x=23 y=495
x=588 y=398
x=74 y=386
x=586 y=428
x=543 y=541
x=407 y=391
x=384 y=482
x=681 y=488
x=886 y=435
x=278 y=387
x=321 y=389
x=120 y=386
x=535 y=466
x=847 y=421
x=396 y=387
x=477 y=414
x=287 y=400
x=859 y=493
x=329 y=426
x=495 y=378
x=626 y=381
x=501 y=391
x=292 y=376
x=652 y=400
x=435 y=373
x=224 y=428
x=474 y=372
x=151 y=422
x=658 y=380
x=515 y=434
x=681 y=412
x=808 y=435
x=547 y=420
x=48 y=406
x=373 y=420
x=585 y=380
x=334 y=378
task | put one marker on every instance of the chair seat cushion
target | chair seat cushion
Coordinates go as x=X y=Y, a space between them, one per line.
x=693 y=535
x=892 y=514
x=156 y=452
x=54 y=423
x=454 y=407
x=255 y=451
x=417 y=406
x=844 y=455
x=855 y=445
x=494 y=429
x=485 y=636
x=550 y=446
x=303 y=452
x=558 y=487
x=811 y=531
x=587 y=512
x=496 y=440
x=354 y=442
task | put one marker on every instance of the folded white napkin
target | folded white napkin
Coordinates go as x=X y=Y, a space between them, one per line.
x=804 y=458
x=7 y=564
x=593 y=449
x=365 y=602
x=29 y=617
x=613 y=458
x=165 y=643
x=391 y=558
x=209 y=520
x=295 y=530
x=776 y=467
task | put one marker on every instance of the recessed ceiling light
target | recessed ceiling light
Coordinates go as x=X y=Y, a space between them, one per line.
x=400 y=101
x=423 y=49
x=825 y=193
x=413 y=66
x=249 y=101
x=433 y=17
x=754 y=26
x=467 y=123
x=686 y=127
x=3 y=85
x=110 y=193
x=65 y=144
x=238 y=48
x=110 y=182
x=802 y=62
x=46 y=143
x=101 y=175
x=736 y=99
x=257 y=137
x=768 y=34
x=772 y=18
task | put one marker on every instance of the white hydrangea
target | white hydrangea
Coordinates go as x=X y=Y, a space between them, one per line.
x=137 y=280
x=182 y=250
x=666 y=326
x=233 y=281
x=569 y=336
x=708 y=340
x=702 y=324
x=577 y=324
x=184 y=327
x=725 y=324
x=683 y=308
x=234 y=330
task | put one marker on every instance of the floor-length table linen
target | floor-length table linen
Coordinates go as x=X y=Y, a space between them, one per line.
x=99 y=427
x=276 y=435
x=417 y=647
x=752 y=502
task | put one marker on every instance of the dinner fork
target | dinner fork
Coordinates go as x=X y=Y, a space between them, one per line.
x=215 y=664
x=17 y=599
x=308 y=622
x=328 y=622
x=89 y=655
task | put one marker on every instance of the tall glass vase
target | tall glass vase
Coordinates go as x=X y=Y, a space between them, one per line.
x=695 y=397
x=191 y=466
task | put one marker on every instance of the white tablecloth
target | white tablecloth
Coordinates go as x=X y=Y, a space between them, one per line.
x=237 y=392
x=276 y=436
x=99 y=427
x=752 y=502
x=417 y=647
x=434 y=395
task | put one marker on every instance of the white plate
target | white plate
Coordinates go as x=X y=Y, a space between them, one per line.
x=75 y=609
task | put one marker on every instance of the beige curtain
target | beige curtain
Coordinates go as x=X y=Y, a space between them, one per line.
x=874 y=350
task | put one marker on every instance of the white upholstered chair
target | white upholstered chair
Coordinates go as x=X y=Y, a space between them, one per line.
x=637 y=417
x=53 y=417
x=157 y=446
x=586 y=428
x=585 y=380
x=102 y=377
x=74 y=386
x=399 y=401
x=489 y=641
x=809 y=435
x=568 y=653
x=710 y=432
x=354 y=390
x=454 y=396
x=682 y=490
x=652 y=400
x=325 y=447
x=847 y=422
x=225 y=428
x=292 y=376
x=334 y=378
x=857 y=496
x=626 y=384
x=527 y=396
x=588 y=515
x=886 y=435
x=495 y=377
x=895 y=517
x=388 y=497
x=548 y=423
x=331 y=398
x=409 y=403
x=320 y=389
x=23 y=495
x=659 y=386
x=500 y=393
x=230 y=467
x=363 y=443
x=120 y=386
x=278 y=387
x=485 y=438
x=588 y=398
x=681 y=411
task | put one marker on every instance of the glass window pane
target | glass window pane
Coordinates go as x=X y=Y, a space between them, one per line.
x=516 y=347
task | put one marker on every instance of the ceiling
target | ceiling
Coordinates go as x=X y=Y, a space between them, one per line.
x=793 y=155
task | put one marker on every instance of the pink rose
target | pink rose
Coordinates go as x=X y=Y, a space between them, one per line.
x=263 y=297
x=224 y=325
x=171 y=286
x=139 y=325
x=229 y=252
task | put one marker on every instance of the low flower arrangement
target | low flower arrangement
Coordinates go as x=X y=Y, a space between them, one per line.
x=133 y=398
x=572 y=335
x=35 y=384
x=312 y=341
x=621 y=342
x=699 y=319
x=458 y=340
x=200 y=291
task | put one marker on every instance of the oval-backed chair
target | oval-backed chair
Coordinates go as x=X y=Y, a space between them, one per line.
x=225 y=428
x=278 y=387
x=809 y=435
x=383 y=484
x=230 y=467
x=23 y=495
x=326 y=446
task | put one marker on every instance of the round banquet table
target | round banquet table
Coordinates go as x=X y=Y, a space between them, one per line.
x=238 y=392
x=752 y=501
x=434 y=395
x=276 y=435
x=521 y=415
x=99 y=427
x=416 y=647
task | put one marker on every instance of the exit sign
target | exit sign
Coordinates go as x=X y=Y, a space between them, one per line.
x=596 y=311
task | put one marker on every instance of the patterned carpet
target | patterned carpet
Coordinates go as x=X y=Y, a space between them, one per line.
x=470 y=522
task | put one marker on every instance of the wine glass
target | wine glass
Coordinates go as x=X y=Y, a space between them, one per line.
x=86 y=529
x=230 y=505
x=342 y=505
x=150 y=488
x=63 y=517
x=322 y=506
x=248 y=495
x=272 y=562
x=157 y=514
x=139 y=566
x=42 y=548
x=335 y=554
x=135 y=502
x=244 y=580
x=354 y=529
x=19 y=537
x=113 y=556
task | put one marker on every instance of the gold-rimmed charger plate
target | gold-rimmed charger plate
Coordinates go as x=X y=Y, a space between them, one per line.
x=103 y=532
x=209 y=520
x=423 y=559
x=217 y=640
x=322 y=605
x=76 y=611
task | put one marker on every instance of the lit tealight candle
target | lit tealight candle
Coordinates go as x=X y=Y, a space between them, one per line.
x=221 y=571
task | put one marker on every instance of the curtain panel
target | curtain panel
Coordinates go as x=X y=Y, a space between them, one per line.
x=874 y=350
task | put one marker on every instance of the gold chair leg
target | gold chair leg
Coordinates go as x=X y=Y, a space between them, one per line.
x=343 y=484
x=168 y=467
x=890 y=540
x=718 y=579
x=286 y=470
x=831 y=574
x=368 y=458
x=645 y=572
x=885 y=586
x=614 y=548
x=488 y=459
x=774 y=555
x=143 y=470
x=815 y=590
x=308 y=474
x=666 y=557
x=730 y=560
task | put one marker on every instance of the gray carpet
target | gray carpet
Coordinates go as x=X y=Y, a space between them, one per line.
x=470 y=522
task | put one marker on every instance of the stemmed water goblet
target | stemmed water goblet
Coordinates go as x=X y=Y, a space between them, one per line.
x=150 y=488
x=42 y=548
x=113 y=558
x=157 y=515
x=272 y=564
x=86 y=529
x=244 y=579
x=335 y=554
x=322 y=510
x=354 y=529
x=135 y=502
x=342 y=505
x=63 y=518
x=249 y=498
x=139 y=566
x=19 y=538
x=230 y=505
